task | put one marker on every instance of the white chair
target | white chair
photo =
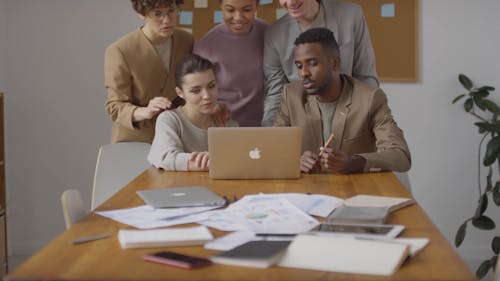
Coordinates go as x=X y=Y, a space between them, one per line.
x=72 y=206
x=117 y=164
x=404 y=179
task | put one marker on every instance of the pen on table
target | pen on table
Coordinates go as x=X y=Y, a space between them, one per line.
x=327 y=143
x=275 y=234
x=85 y=239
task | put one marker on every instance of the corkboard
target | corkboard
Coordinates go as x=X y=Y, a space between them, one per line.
x=394 y=39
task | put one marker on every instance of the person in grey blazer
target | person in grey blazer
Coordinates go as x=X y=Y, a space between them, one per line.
x=347 y=22
x=327 y=103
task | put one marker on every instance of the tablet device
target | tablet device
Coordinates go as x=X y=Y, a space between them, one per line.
x=381 y=230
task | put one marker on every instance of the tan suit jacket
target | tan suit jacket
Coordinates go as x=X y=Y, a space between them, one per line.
x=362 y=124
x=133 y=75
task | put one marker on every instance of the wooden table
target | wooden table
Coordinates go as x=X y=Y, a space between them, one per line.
x=105 y=260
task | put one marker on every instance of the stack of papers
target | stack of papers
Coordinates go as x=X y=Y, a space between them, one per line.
x=298 y=207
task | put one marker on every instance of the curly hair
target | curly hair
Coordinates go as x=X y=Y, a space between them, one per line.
x=144 y=6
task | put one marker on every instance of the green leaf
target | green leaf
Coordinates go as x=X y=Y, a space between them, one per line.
x=487 y=126
x=460 y=236
x=495 y=245
x=489 y=184
x=458 y=98
x=483 y=222
x=482 y=206
x=491 y=106
x=492 y=151
x=465 y=81
x=478 y=100
x=483 y=269
x=496 y=197
x=486 y=88
x=468 y=104
x=482 y=93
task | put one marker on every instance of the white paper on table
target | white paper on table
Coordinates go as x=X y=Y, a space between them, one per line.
x=145 y=217
x=273 y=215
x=313 y=204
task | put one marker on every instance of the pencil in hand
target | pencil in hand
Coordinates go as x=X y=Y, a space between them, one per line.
x=327 y=143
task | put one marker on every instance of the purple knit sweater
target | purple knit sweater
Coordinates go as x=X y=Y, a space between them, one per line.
x=238 y=69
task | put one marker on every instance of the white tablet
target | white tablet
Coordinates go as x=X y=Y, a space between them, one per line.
x=385 y=230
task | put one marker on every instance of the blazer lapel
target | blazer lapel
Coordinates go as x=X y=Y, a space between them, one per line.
x=342 y=112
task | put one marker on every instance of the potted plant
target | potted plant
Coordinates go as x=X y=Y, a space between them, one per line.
x=486 y=112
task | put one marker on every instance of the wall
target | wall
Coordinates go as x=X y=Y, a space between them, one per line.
x=3 y=52
x=56 y=120
x=55 y=105
x=456 y=37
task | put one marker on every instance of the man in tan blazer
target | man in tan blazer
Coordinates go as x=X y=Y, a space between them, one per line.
x=365 y=136
x=139 y=71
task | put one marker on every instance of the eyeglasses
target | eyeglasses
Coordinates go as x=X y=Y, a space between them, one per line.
x=171 y=13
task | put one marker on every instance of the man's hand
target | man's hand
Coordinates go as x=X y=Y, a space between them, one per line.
x=198 y=161
x=155 y=106
x=221 y=115
x=309 y=162
x=340 y=162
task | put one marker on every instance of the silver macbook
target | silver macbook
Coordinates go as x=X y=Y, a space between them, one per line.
x=181 y=197
x=254 y=152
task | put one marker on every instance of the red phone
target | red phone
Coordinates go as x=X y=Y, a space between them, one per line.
x=176 y=259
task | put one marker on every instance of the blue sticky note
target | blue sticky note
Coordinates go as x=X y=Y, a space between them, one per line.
x=186 y=18
x=388 y=10
x=265 y=2
x=217 y=16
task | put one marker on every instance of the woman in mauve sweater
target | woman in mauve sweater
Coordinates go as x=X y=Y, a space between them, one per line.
x=236 y=47
x=181 y=141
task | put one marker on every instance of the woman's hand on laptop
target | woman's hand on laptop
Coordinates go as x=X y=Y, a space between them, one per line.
x=309 y=162
x=198 y=161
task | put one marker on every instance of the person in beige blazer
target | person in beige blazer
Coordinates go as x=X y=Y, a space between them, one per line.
x=138 y=70
x=365 y=136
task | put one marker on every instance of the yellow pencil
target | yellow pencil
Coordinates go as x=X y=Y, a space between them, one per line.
x=327 y=143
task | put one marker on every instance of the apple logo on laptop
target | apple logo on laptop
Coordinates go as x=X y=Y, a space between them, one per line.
x=254 y=154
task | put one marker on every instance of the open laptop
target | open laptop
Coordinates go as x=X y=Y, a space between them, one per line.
x=192 y=196
x=254 y=152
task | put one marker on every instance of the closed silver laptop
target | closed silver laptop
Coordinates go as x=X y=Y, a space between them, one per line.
x=254 y=152
x=181 y=197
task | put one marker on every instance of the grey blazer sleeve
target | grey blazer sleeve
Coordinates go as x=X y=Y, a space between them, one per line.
x=364 y=58
x=275 y=79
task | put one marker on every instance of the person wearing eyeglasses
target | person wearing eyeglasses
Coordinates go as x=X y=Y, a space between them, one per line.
x=181 y=138
x=138 y=70
x=235 y=47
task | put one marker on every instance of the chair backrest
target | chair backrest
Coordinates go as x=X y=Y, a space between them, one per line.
x=72 y=206
x=404 y=179
x=117 y=164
